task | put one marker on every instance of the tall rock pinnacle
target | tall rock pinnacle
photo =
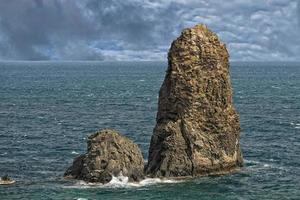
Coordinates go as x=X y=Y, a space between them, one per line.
x=197 y=128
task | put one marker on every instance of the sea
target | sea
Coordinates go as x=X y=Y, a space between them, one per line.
x=47 y=110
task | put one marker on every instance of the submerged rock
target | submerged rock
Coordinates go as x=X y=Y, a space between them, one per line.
x=109 y=154
x=197 y=128
x=6 y=180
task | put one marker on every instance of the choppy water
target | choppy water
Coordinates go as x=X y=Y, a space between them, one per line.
x=48 y=108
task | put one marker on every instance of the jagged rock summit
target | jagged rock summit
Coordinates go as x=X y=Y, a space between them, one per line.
x=108 y=154
x=197 y=128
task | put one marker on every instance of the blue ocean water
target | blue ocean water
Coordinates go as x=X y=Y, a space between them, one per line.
x=47 y=109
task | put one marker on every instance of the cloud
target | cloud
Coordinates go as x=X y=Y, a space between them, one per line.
x=144 y=29
x=298 y=12
x=32 y=29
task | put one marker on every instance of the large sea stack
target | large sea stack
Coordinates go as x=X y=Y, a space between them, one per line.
x=108 y=154
x=197 y=128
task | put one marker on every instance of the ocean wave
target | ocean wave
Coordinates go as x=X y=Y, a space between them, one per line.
x=276 y=87
x=256 y=165
x=122 y=182
x=91 y=95
x=251 y=162
x=296 y=125
x=74 y=152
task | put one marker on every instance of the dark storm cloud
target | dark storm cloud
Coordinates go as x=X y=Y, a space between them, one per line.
x=35 y=29
x=143 y=29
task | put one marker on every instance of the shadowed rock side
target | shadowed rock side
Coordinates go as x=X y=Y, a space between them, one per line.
x=109 y=154
x=197 y=130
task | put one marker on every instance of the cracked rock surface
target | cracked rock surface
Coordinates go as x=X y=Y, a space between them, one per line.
x=197 y=128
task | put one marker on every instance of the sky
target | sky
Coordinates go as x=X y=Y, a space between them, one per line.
x=254 y=30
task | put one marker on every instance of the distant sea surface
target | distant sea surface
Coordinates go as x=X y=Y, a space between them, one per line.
x=47 y=110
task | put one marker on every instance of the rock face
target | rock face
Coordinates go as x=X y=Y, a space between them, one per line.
x=109 y=154
x=197 y=130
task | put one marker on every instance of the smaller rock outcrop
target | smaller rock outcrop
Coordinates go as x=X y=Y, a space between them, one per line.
x=108 y=154
x=6 y=180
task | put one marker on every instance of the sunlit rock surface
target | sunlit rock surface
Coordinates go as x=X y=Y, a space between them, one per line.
x=197 y=130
